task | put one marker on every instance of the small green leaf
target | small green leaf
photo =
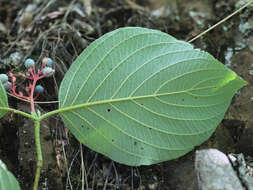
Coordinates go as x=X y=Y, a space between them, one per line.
x=3 y=100
x=140 y=96
x=7 y=179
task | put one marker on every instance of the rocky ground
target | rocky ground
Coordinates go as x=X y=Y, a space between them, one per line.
x=61 y=30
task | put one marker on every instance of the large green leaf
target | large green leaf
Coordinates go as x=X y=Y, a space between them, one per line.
x=7 y=179
x=3 y=100
x=140 y=96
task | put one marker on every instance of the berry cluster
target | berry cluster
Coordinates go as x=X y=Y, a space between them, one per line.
x=32 y=90
x=4 y=80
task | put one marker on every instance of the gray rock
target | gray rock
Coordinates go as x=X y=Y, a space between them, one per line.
x=214 y=171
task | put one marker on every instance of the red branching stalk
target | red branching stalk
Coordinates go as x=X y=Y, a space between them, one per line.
x=34 y=77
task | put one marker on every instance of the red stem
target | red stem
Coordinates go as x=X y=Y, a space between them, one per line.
x=32 y=75
x=31 y=98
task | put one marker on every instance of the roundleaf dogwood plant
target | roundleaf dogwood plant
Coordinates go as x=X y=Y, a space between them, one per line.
x=136 y=95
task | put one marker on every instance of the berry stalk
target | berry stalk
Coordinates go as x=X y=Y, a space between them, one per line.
x=32 y=89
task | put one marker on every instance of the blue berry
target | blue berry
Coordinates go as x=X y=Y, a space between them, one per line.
x=47 y=70
x=7 y=85
x=47 y=61
x=29 y=63
x=3 y=78
x=39 y=89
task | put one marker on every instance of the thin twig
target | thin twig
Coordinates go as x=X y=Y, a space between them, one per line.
x=70 y=8
x=220 y=22
x=87 y=6
x=36 y=102
x=132 y=178
x=107 y=176
x=134 y=5
x=116 y=175
x=69 y=169
x=84 y=174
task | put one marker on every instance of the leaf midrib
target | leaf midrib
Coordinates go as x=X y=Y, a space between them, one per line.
x=78 y=106
x=127 y=99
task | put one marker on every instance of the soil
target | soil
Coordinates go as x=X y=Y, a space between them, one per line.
x=62 y=30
